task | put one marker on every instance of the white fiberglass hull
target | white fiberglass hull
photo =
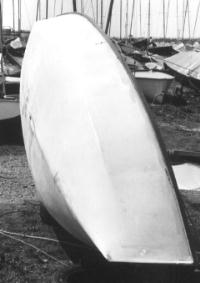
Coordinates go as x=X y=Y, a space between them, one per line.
x=153 y=84
x=92 y=149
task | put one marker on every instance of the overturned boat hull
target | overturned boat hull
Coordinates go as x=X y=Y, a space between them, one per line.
x=83 y=133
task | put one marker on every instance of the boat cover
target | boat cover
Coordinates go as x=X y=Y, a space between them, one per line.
x=163 y=50
x=186 y=63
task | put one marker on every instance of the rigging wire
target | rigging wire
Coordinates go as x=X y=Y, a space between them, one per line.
x=54 y=8
x=197 y=14
x=184 y=19
x=189 y=20
x=177 y=22
x=93 y=10
x=61 y=7
x=168 y=7
x=132 y=14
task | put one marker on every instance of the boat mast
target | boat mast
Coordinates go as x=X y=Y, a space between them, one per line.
x=177 y=19
x=120 y=19
x=164 y=19
x=1 y=50
x=61 y=7
x=54 y=8
x=74 y=6
x=109 y=29
x=132 y=14
x=1 y=28
x=197 y=14
x=140 y=19
x=108 y=23
x=19 y=15
x=38 y=11
x=47 y=8
x=189 y=19
x=97 y=11
x=82 y=7
x=185 y=14
x=102 y=14
x=93 y=10
x=183 y=21
x=149 y=19
x=13 y=10
x=126 y=25
x=168 y=6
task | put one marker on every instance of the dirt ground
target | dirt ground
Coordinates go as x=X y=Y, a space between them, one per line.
x=29 y=259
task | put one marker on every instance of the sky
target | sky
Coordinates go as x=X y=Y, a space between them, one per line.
x=175 y=13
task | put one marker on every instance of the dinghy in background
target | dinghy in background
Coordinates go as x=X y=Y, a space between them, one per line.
x=153 y=84
x=9 y=108
x=93 y=151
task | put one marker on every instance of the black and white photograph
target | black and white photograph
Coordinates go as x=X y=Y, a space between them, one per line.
x=99 y=141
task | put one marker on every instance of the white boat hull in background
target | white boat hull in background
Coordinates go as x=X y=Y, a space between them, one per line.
x=94 y=154
x=153 y=85
x=9 y=109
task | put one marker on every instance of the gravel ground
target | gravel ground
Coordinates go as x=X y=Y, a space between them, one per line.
x=16 y=183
